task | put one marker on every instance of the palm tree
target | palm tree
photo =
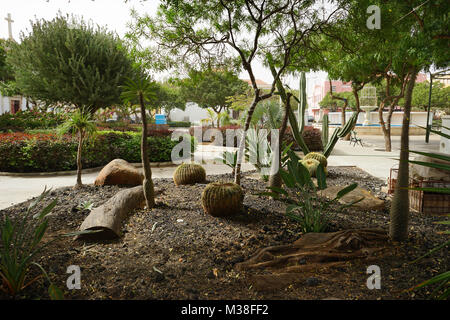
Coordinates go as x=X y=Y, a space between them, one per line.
x=142 y=90
x=81 y=124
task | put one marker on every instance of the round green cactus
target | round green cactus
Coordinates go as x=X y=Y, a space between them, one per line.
x=311 y=165
x=317 y=156
x=189 y=173
x=221 y=199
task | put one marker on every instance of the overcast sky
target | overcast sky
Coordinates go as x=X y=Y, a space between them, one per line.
x=114 y=14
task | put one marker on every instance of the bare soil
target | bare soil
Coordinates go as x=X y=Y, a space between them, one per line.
x=176 y=251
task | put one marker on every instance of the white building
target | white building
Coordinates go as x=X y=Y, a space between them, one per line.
x=12 y=104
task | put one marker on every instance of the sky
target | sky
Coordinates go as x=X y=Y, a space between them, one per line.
x=113 y=14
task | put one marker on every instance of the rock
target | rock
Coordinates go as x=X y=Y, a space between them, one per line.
x=370 y=202
x=119 y=172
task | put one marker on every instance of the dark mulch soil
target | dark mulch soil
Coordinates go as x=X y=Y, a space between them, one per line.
x=175 y=251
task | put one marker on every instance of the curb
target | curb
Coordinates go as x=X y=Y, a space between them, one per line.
x=72 y=172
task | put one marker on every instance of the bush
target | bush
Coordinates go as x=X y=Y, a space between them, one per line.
x=22 y=152
x=179 y=124
x=24 y=120
x=312 y=137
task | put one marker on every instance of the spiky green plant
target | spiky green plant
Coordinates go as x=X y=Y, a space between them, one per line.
x=311 y=165
x=221 y=199
x=325 y=129
x=304 y=203
x=80 y=123
x=21 y=241
x=189 y=173
x=317 y=156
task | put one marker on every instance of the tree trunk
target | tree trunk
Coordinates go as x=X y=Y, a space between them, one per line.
x=275 y=179
x=398 y=229
x=149 y=191
x=79 y=165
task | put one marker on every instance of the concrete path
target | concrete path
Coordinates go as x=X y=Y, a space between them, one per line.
x=378 y=163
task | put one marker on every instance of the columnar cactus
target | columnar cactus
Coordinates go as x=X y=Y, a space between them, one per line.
x=189 y=173
x=325 y=130
x=221 y=199
x=317 y=156
x=311 y=165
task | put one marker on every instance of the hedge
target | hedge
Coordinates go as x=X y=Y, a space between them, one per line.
x=22 y=152
x=33 y=119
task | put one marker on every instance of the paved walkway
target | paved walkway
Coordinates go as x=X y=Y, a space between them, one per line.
x=18 y=189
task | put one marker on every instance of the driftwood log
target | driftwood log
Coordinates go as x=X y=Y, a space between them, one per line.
x=107 y=219
x=293 y=263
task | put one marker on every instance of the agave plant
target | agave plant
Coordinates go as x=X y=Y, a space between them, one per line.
x=304 y=203
x=442 y=291
x=21 y=241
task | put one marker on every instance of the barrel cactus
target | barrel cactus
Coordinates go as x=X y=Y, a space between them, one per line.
x=189 y=173
x=311 y=165
x=221 y=199
x=317 y=156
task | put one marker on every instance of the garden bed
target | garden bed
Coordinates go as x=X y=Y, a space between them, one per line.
x=176 y=251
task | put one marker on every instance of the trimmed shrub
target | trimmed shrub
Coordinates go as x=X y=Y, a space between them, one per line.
x=33 y=119
x=179 y=124
x=23 y=152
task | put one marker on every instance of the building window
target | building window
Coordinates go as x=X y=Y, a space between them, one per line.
x=333 y=88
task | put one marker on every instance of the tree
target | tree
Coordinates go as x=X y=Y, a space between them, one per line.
x=169 y=97
x=80 y=123
x=67 y=62
x=440 y=95
x=424 y=26
x=210 y=89
x=198 y=31
x=142 y=90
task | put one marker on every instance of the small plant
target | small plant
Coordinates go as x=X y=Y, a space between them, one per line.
x=21 y=241
x=221 y=199
x=317 y=156
x=81 y=124
x=230 y=159
x=86 y=205
x=304 y=203
x=189 y=173
x=311 y=165
x=442 y=291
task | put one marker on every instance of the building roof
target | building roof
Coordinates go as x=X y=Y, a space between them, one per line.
x=261 y=84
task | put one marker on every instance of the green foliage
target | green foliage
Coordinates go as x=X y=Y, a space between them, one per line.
x=48 y=152
x=79 y=123
x=25 y=120
x=339 y=133
x=210 y=89
x=333 y=104
x=65 y=61
x=304 y=203
x=179 y=124
x=442 y=290
x=21 y=241
x=325 y=129
x=440 y=96
x=189 y=173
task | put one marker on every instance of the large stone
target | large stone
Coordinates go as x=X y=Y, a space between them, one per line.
x=370 y=202
x=119 y=172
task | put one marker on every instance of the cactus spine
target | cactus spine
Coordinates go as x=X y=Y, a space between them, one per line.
x=189 y=173
x=221 y=199
x=311 y=165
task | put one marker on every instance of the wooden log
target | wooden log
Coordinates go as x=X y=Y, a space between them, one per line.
x=107 y=218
